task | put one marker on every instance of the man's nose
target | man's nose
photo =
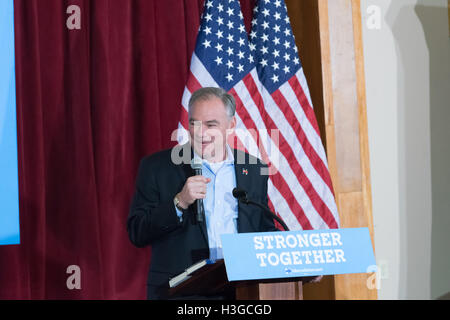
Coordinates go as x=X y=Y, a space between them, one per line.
x=201 y=131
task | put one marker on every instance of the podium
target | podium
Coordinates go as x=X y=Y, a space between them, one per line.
x=274 y=265
x=212 y=280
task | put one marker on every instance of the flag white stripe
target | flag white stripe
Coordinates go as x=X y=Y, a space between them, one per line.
x=303 y=82
x=185 y=99
x=201 y=73
x=314 y=177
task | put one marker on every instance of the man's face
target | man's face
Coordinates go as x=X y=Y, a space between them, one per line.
x=209 y=126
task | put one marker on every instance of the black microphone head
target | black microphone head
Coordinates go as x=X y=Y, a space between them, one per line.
x=239 y=193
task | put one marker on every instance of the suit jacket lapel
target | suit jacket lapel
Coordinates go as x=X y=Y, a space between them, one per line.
x=242 y=176
x=243 y=181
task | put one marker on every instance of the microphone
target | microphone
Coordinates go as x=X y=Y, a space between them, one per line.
x=242 y=196
x=196 y=165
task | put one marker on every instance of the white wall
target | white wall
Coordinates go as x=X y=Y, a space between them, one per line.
x=407 y=61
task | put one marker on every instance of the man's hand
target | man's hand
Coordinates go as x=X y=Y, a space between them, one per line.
x=193 y=189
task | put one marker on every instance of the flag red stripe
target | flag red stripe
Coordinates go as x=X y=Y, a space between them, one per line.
x=304 y=103
x=277 y=179
x=249 y=124
x=277 y=224
x=235 y=143
x=317 y=202
x=192 y=83
x=280 y=183
x=184 y=118
x=310 y=152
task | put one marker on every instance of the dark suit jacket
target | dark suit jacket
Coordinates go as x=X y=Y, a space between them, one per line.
x=153 y=219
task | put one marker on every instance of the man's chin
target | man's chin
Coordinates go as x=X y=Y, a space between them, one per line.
x=207 y=151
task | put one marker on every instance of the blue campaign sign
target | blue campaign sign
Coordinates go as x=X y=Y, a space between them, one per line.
x=274 y=255
x=9 y=193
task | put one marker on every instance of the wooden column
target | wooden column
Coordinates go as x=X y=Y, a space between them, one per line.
x=329 y=37
x=346 y=126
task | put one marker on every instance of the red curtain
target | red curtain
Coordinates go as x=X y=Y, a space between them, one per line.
x=90 y=104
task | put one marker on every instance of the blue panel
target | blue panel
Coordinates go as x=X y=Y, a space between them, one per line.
x=274 y=255
x=9 y=189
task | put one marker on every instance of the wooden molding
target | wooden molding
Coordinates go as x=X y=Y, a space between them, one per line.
x=363 y=124
x=329 y=37
x=346 y=125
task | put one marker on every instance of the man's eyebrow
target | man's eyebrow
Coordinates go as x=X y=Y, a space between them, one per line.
x=207 y=122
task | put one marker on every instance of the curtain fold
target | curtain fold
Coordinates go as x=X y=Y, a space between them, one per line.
x=91 y=103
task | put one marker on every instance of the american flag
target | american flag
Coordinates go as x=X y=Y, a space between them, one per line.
x=274 y=112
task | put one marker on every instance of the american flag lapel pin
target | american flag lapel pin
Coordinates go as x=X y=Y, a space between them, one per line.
x=245 y=171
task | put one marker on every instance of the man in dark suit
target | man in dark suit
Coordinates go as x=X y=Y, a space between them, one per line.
x=162 y=212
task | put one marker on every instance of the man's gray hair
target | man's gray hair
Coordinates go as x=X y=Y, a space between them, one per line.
x=212 y=92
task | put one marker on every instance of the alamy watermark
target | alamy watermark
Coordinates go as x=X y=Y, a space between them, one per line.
x=73 y=22
x=373 y=20
x=373 y=282
x=74 y=280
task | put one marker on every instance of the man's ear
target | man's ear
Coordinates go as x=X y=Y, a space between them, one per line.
x=231 y=127
x=232 y=124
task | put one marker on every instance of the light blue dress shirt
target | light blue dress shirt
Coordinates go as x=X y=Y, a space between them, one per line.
x=221 y=208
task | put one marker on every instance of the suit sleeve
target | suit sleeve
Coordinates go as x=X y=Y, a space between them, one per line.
x=149 y=219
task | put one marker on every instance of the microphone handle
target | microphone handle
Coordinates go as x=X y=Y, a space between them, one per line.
x=267 y=210
x=199 y=203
